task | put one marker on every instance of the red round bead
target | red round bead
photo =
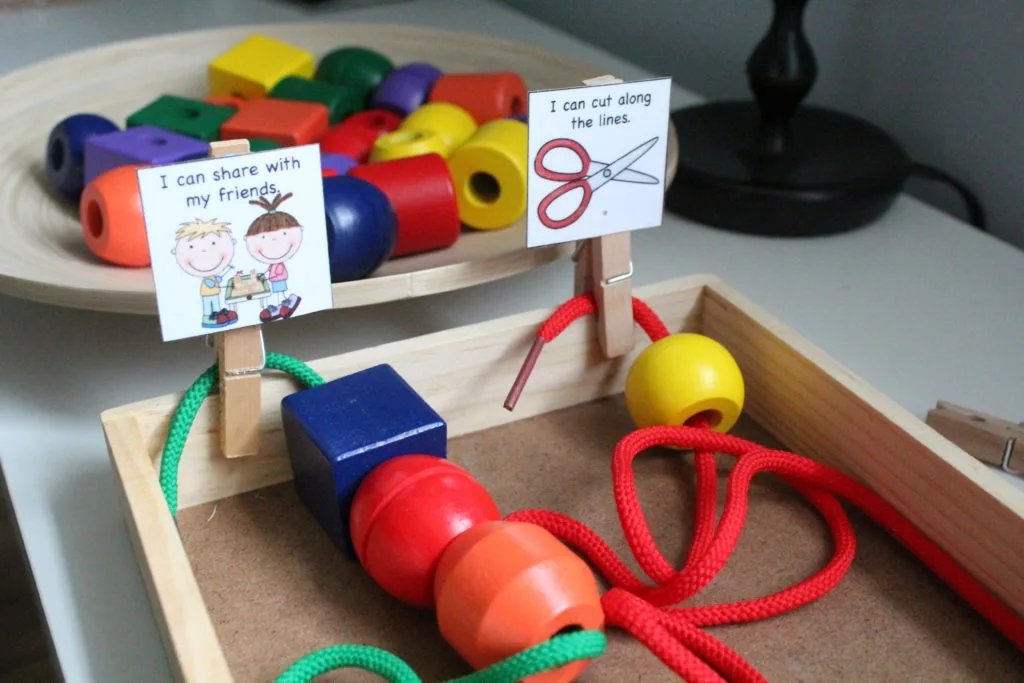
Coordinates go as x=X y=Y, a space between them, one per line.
x=406 y=513
x=380 y=120
x=422 y=193
x=353 y=141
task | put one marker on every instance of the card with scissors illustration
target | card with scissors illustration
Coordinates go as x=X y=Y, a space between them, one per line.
x=596 y=160
x=236 y=240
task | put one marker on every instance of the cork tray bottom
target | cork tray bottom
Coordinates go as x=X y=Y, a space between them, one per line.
x=277 y=589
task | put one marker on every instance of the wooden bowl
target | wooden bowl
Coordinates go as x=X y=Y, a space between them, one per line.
x=45 y=258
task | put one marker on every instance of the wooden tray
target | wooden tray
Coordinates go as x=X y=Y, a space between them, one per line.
x=45 y=258
x=250 y=584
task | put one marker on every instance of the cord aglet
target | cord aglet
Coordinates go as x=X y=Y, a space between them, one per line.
x=524 y=374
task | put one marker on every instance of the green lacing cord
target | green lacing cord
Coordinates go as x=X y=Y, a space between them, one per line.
x=558 y=651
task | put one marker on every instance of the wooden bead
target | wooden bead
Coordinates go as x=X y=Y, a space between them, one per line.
x=339 y=163
x=453 y=124
x=378 y=120
x=489 y=173
x=361 y=227
x=254 y=66
x=193 y=118
x=65 y=151
x=502 y=587
x=681 y=376
x=146 y=145
x=353 y=141
x=420 y=190
x=402 y=144
x=401 y=92
x=338 y=432
x=404 y=515
x=113 y=224
x=286 y=122
x=225 y=101
x=487 y=96
x=423 y=71
x=357 y=68
x=339 y=100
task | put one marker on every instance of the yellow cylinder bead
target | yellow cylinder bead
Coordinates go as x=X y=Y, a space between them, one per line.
x=683 y=375
x=451 y=122
x=489 y=173
x=402 y=144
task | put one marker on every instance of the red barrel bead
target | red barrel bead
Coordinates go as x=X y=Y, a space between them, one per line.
x=487 y=96
x=352 y=141
x=404 y=515
x=421 y=191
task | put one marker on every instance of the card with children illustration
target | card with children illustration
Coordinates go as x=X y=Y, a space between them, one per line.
x=237 y=240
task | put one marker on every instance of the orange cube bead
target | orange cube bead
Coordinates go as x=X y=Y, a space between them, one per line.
x=287 y=122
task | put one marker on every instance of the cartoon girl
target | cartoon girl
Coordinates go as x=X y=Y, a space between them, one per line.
x=273 y=238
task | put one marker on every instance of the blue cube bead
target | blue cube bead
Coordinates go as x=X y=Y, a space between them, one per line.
x=147 y=145
x=339 y=431
x=65 y=151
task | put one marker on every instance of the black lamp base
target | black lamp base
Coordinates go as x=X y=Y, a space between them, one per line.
x=835 y=173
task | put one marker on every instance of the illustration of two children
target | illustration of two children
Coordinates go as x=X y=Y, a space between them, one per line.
x=205 y=249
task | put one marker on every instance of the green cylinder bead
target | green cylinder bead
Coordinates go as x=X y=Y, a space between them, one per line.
x=354 y=67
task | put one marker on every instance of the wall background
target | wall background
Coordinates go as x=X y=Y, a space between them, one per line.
x=945 y=78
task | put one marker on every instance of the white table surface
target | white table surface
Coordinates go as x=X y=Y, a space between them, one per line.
x=919 y=304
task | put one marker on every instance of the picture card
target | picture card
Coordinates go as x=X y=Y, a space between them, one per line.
x=596 y=160
x=237 y=240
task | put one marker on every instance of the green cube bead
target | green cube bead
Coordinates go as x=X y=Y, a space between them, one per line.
x=340 y=101
x=354 y=67
x=262 y=144
x=194 y=118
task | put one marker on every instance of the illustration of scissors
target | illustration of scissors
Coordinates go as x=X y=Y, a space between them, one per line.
x=591 y=177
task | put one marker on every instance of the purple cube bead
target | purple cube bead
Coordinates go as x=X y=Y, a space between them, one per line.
x=139 y=145
x=338 y=162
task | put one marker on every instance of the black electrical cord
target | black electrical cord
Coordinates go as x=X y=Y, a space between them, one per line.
x=975 y=212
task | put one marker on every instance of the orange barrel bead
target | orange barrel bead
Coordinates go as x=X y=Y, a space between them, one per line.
x=502 y=587
x=113 y=225
x=487 y=96
x=406 y=512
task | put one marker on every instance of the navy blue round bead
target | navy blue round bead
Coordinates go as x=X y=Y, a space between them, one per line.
x=362 y=227
x=65 y=151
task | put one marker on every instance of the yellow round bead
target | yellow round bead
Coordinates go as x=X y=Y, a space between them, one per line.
x=402 y=144
x=681 y=376
x=451 y=122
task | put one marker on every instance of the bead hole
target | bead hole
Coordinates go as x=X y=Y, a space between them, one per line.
x=94 y=220
x=57 y=155
x=159 y=141
x=484 y=187
x=191 y=113
x=713 y=417
x=566 y=630
x=517 y=105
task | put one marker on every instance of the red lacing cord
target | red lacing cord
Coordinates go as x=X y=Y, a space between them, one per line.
x=674 y=634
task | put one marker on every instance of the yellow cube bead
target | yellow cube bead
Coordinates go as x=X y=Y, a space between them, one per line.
x=254 y=66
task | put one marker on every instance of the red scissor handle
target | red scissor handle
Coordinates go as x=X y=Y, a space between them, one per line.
x=573 y=181
x=545 y=204
x=562 y=143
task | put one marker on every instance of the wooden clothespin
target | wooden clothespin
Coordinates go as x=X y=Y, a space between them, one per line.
x=604 y=266
x=988 y=438
x=241 y=357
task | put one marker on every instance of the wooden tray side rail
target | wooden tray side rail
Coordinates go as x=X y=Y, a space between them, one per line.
x=803 y=397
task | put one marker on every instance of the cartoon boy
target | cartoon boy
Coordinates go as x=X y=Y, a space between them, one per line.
x=204 y=249
x=273 y=238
